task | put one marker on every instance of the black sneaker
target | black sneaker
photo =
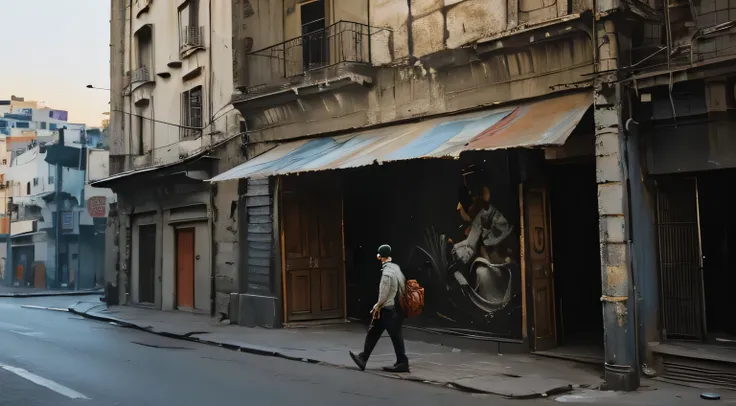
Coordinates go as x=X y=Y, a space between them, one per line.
x=358 y=359
x=397 y=368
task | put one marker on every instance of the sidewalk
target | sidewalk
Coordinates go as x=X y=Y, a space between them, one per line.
x=19 y=291
x=513 y=376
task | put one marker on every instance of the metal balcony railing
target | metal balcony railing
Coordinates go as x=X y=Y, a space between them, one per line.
x=344 y=41
x=191 y=37
x=140 y=75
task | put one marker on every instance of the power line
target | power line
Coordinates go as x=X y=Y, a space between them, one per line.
x=178 y=126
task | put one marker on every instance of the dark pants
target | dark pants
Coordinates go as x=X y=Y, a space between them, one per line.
x=391 y=321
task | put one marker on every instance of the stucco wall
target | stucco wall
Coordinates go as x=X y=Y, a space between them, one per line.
x=161 y=139
x=410 y=92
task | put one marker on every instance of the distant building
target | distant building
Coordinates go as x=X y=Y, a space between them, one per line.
x=40 y=256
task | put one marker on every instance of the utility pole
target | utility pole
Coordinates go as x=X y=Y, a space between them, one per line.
x=9 y=244
x=59 y=221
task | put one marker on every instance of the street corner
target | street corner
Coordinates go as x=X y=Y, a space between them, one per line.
x=87 y=308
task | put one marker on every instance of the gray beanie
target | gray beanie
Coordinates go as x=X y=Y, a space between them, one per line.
x=384 y=251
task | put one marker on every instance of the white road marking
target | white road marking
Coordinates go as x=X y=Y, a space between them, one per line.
x=57 y=309
x=46 y=383
x=27 y=333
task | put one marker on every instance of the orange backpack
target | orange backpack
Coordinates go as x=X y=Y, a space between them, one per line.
x=412 y=301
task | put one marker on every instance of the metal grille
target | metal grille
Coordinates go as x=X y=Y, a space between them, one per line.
x=192 y=37
x=140 y=75
x=680 y=258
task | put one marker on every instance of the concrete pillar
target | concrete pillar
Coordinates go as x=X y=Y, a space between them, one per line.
x=621 y=365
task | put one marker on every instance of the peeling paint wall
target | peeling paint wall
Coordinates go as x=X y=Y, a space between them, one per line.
x=225 y=221
x=406 y=92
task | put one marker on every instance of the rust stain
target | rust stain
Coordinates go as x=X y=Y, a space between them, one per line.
x=540 y=123
x=535 y=120
x=616 y=276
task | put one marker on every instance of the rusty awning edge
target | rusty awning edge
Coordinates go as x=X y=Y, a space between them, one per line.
x=547 y=122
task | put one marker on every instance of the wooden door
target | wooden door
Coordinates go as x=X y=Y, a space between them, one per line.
x=185 y=268
x=312 y=227
x=146 y=263
x=680 y=258
x=540 y=270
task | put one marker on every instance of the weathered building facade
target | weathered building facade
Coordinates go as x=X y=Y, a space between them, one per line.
x=523 y=157
x=516 y=225
x=171 y=127
x=681 y=160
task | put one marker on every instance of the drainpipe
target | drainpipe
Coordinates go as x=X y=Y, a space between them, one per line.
x=628 y=234
x=57 y=200
x=213 y=247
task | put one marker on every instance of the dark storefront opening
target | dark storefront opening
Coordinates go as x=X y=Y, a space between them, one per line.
x=718 y=235
x=697 y=232
x=417 y=207
x=577 y=265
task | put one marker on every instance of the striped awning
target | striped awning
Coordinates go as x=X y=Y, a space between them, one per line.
x=547 y=122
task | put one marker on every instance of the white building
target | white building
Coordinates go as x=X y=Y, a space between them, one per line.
x=31 y=182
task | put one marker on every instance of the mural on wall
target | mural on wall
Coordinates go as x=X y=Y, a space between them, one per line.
x=472 y=274
x=454 y=227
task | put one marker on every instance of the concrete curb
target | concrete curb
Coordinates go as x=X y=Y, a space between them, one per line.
x=48 y=294
x=270 y=352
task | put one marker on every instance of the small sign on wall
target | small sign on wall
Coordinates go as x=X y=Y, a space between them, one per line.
x=96 y=206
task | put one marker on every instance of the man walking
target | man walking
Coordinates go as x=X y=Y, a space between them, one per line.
x=387 y=314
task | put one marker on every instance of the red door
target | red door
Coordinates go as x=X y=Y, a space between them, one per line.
x=185 y=268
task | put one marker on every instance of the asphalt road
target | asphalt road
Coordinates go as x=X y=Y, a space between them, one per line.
x=56 y=358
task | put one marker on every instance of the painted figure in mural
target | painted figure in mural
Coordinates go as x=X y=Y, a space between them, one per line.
x=386 y=314
x=484 y=253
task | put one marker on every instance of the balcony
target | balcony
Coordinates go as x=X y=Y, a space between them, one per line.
x=342 y=50
x=192 y=38
x=140 y=75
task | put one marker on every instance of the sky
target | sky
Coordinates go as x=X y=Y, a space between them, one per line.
x=52 y=49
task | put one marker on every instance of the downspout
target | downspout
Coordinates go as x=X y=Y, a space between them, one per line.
x=211 y=74
x=130 y=99
x=626 y=191
x=213 y=187
x=212 y=212
x=160 y=276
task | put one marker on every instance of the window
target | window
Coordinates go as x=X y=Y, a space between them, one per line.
x=5 y=161
x=22 y=124
x=3 y=124
x=43 y=125
x=191 y=112
x=52 y=127
x=314 y=47
x=35 y=181
x=190 y=31
x=144 y=42
x=28 y=189
x=141 y=128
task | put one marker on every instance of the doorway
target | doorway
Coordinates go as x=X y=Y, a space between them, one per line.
x=575 y=255
x=718 y=237
x=314 y=39
x=185 y=268
x=312 y=249
x=697 y=261
x=146 y=263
